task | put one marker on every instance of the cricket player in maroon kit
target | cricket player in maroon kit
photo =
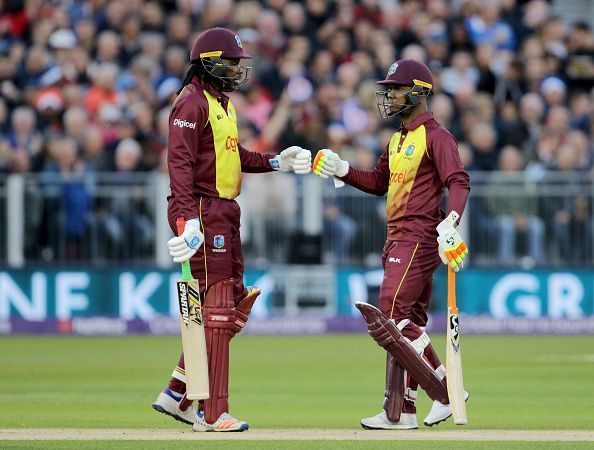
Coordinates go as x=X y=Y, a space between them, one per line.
x=205 y=161
x=419 y=162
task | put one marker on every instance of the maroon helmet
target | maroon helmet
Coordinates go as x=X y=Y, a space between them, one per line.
x=219 y=42
x=209 y=53
x=405 y=72
x=408 y=72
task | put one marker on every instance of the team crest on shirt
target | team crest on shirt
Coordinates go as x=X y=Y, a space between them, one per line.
x=409 y=150
x=392 y=69
x=219 y=243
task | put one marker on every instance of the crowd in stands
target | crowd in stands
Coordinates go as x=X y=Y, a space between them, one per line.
x=86 y=86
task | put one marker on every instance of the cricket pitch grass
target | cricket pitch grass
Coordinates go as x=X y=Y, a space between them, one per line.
x=295 y=392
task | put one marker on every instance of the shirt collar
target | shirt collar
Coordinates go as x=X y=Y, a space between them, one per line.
x=425 y=117
x=210 y=89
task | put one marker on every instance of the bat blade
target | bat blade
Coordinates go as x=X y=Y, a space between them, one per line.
x=455 y=381
x=193 y=339
x=191 y=325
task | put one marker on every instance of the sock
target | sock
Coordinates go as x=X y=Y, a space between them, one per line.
x=177 y=383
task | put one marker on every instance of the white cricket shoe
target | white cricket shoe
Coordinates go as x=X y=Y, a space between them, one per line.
x=224 y=423
x=407 y=421
x=168 y=403
x=439 y=412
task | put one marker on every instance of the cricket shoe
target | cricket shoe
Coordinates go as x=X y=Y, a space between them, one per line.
x=168 y=403
x=440 y=412
x=407 y=421
x=224 y=423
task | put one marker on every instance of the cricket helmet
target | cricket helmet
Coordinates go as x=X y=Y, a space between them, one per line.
x=209 y=51
x=405 y=72
x=219 y=42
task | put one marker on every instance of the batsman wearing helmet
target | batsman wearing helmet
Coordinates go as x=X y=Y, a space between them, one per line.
x=205 y=161
x=420 y=161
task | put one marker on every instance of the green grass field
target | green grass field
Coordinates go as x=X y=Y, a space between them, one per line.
x=320 y=382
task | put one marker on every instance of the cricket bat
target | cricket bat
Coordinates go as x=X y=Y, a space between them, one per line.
x=454 y=356
x=192 y=330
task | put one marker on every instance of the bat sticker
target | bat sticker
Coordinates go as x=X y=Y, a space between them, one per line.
x=455 y=336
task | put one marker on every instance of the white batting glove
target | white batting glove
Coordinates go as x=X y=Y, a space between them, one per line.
x=328 y=164
x=294 y=159
x=302 y=162
x=183 y=247
x=452 y=249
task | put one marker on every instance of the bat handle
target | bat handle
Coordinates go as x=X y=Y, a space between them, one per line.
x=180 y=223
x=452 y=291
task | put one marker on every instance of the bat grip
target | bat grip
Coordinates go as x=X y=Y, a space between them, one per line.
x=180 y=224
x=452 y=308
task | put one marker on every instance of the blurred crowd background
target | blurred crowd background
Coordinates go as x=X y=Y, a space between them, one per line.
x=86 y=87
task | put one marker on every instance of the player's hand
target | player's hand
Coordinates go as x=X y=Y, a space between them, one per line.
x=183 y=247
x=294 y=159
x=328 y=164
x=452 y=249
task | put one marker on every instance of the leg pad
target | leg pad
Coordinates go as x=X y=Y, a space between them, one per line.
x=394 y=396
x=387 y=335
x=243 y=309
x=219 y=318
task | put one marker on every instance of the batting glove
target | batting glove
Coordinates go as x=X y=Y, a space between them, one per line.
x=328 y=164
x=452 y=249
x=294 y=159
x=183 y=247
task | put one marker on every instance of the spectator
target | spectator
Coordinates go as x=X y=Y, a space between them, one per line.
x=103 y=90
x=68 y=204
x=531 y=116
x=23 y=136
x=509 y=127
x=270 y=216
x=130 y=35
x=5 y=156
x=85 y=31
x=514 y=216
x=485 y=26
x=581 y=108
x=108 y=47
x=94 y=154
x=123 y=216
x=570 y=216
x=554 y=91
x=75 y=121
x=580 y=64
x=483 y=141
x=459 y=74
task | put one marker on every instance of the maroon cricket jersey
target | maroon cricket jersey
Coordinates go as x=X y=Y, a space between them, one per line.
x=419 y=162
x=204 y=156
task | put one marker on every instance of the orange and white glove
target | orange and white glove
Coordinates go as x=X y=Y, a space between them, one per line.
x=452 y=249
x=328 y=164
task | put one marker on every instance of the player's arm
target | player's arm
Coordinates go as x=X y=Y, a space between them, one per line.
x=185 y=124
x=376 y=181
x=443 y=149
x=254 y=162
